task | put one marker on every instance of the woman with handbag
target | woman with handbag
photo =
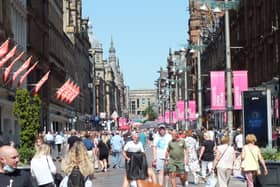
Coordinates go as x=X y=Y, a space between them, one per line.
x=223 y=162
x=251 y=156
x=42 y=166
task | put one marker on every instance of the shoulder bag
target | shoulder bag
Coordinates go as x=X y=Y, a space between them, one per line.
x=57 y=177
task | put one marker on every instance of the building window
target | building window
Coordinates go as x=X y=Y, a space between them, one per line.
x=137 y=103
x=133 y=107
x=143 y=101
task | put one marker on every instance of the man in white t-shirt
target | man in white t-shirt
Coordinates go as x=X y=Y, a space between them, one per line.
x=160 y=144
x=239 y=140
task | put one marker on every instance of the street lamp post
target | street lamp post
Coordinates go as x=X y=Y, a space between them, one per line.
x=199 y=87
x=228 y=75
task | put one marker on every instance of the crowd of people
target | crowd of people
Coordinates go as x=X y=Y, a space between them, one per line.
x=175 y=154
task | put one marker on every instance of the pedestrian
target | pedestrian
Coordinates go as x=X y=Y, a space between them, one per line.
x=143 y=138
x=132 y=146
x=193 y=165
x=88 y=143
x=239 y=140
x=223 y=162
x=251 y=156
x=72 y=139
x=103 y=151
x=116 y=146
x=42 y=166
x=9 y=174
x=176 y=157
x=59 y=140
x=206 y=154
x=160 y=144
x=77 y=157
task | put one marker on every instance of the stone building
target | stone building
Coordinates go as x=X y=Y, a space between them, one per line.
x=109 y=82
x=139 y=100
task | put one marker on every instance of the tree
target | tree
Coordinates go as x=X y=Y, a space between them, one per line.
x=150 y=113
x=27 y=110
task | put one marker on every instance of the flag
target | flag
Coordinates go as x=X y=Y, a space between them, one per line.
x=4 y=48
x=21 y=69
x=26 y=74
x=60 y=91
x=40 y=83
x=66 y=91
x=76 y=93
x=8 y=56
x=9 y=68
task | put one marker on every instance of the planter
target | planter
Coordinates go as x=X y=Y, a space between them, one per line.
x=273 y=177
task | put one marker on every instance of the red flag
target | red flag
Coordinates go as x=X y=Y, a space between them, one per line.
x=8 y=56
x=26 y=74
x=9 y=68
x=21 y=69
x=4 y=48
x=61 y=90
x=40 y=83
x=77 y=92
x=67 y=92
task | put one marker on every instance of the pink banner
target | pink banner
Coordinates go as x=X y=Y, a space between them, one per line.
x=122 y=121
x=217 y=79
x=240 y=83
x=167 y=116
x=277 y=108
x=160 y=119
x=174 y=117
x=192 y=110
x=180 y=110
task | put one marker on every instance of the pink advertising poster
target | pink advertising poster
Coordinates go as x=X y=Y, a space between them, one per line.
x=217 y=81
x=167 y=116
x=180 y=110
x=192 y=110
x=240 y=83
x=174 y=117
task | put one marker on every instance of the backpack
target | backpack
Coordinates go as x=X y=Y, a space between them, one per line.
x=76 y=179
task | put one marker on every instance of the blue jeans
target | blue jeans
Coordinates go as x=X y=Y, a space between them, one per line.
x=116 y=159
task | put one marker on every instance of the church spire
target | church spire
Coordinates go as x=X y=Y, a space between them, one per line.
x=112 y=52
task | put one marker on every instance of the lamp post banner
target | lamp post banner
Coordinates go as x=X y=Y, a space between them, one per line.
x=180 y=110
x=160 y=119
x=167 y=116
x=174 y=117
x=192 y=110
x=217 y=81
x=240 y=84
x=277 y=108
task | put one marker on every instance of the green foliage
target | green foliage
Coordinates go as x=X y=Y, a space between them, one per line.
x=149 y=111
x=269 y=153
x=27 y=111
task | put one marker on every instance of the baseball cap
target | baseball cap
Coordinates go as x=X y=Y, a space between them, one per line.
x=162 y=125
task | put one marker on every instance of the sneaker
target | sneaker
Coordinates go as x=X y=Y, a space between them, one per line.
x=186 y=183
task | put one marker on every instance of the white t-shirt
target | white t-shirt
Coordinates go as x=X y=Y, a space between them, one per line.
x=161 y=143
x=239 y=141
x=133 y=147
x=42 y=169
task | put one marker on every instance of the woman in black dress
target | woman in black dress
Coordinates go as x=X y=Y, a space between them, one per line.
x=104 y=149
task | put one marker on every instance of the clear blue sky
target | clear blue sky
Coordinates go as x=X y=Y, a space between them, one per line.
x=142 y=31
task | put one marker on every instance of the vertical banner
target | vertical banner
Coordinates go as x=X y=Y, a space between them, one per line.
x=277 y=108
x=192 y=110
x=174 y=117
x=217 y=79
x=180 y=110
x=167 y=116
x=160 y=119
x=240 y=83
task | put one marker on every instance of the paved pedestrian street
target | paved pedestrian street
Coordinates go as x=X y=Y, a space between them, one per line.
x=114 y=177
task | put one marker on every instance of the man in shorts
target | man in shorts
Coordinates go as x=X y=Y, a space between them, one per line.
x=176 y=158
x=161 y=141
